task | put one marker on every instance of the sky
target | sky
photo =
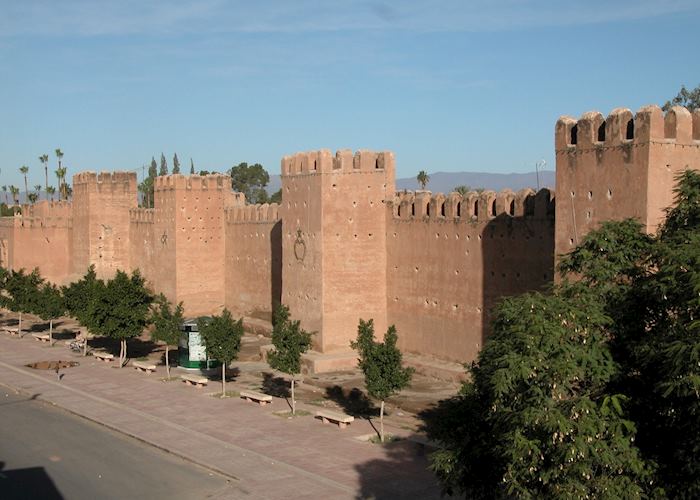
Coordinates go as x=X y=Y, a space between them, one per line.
x=446 y=85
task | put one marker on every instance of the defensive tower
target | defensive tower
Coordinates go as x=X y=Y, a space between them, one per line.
x=334 y=245
x=620 y=166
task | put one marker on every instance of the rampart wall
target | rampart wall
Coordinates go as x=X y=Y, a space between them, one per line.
x=452 y=257
x=343 y=245
x=253 y=260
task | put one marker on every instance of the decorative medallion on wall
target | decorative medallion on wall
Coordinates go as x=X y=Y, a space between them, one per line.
x=299 y=247
x=164 y=239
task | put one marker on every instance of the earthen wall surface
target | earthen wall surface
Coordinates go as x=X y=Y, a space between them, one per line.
x=450 y=258
x=253 y=261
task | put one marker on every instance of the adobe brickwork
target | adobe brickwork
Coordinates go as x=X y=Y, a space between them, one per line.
x=344 y=245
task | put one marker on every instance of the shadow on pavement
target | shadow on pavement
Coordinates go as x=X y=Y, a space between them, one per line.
x=354 y=403
x=402 y=473
x=32 y=482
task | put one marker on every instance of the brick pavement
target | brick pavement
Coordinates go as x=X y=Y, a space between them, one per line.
x=271 y=457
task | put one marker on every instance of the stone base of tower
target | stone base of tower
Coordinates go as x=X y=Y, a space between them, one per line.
x=316 y=362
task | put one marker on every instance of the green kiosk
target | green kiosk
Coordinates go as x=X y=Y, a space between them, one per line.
x=192 y=353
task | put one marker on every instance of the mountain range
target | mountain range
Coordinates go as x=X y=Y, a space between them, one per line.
x=445 y=182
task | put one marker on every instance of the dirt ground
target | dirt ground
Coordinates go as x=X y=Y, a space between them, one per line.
x=343 y=391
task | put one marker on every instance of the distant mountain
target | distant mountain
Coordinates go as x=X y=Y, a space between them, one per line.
x=445 y=182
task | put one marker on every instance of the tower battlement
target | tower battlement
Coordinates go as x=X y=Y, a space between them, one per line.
x=105 y=181
x=622 y=127
x=141 y=215
x=322 y=161
x=193 y=182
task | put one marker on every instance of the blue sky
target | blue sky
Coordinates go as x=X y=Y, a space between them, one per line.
x=446 y=85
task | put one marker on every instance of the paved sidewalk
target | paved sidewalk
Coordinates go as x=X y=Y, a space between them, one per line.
x=270 y=456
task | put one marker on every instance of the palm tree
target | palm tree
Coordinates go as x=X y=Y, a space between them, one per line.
x=37 y=190
x=423 y=178
x=15 y=194
x=61 y=173
x=7 y=200
x=59 y=155
x=44 y=159
x=25 y=170
x=461 y=189
x=50 y=191
x=32 y=197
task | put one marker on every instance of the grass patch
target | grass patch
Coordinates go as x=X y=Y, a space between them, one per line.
x=388 y=438
x=288 y=414
x=229 y=394
x=318 y=402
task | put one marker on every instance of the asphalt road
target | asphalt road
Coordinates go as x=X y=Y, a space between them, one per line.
x=46 y=453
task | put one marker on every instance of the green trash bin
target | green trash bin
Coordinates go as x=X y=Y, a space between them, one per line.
x=191 y=350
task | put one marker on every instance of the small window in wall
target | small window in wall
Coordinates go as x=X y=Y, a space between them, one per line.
x=476 y=208
x=630 y=130
x=493 y=208
x=399 y=214
x=413 y=209
x=574 y=135
x=376 y=163
x=427 y=209
x=601 y=132
x=459 y=209
x=314 y=164
x=442 y=209
x=511 y=208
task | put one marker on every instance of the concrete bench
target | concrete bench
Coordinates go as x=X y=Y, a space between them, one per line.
x=12 y=331
x=342 y=419
x=195 y=380
x=103 y=356
x=144 y=366
x=256 y=397
x=41 y=337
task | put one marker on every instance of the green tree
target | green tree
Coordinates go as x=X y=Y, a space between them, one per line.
x=21 y=292
x=381 y=364
x=163 y=165
x=32 y=198
x=166 y=322
x=461 y=189
x=290 y=341
x=44 y=159
x=423 y=178
x=50 y=191
x=222 y=338
x=120 y=311
x=4 y=190
x=14 y=190
x=250 y=180
x=50 y=305
x=537 y=419
x=25 y=170
x=687 y=98
x=276 y=197
x=80 y=299
x=176 y=164
x=191 y=167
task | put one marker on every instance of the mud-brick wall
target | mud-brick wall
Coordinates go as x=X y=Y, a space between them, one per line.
x=451 y=258
x=253 y=261
x=142 y=248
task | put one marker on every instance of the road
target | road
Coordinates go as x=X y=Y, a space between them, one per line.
x=50 y=454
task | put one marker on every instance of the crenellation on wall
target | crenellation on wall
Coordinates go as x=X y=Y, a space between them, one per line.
x=322 y=161
x=472 y=206
x=141 y=215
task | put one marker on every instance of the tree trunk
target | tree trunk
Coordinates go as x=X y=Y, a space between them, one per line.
x=19 y=327
x=294 y=403
x=50 y=332
x=85 y=343
x=381 y=422
x=223 y=380
x=167 y=362
x=124 y=359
